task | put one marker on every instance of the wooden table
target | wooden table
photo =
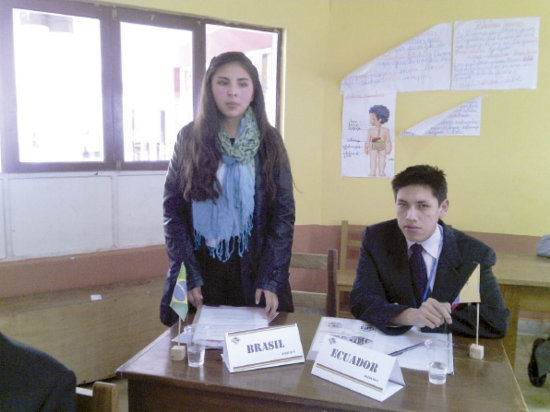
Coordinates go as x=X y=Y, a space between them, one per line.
x=525 y=284
x=155 y=383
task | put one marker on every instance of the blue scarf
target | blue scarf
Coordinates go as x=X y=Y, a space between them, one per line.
x=225 y=223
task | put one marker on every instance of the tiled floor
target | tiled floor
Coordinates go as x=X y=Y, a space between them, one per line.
x=537 y=399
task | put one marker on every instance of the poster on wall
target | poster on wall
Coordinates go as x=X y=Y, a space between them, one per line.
x=368 y=135
x=462 y=120
x=421 y=63
x=496 y=54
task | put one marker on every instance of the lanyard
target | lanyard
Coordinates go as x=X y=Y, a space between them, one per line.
x=432 y=274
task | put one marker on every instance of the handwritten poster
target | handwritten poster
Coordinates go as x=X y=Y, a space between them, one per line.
x=421 y=63
x=496 y=54
x=483 y=54
x=368 y=135
x=463 y=120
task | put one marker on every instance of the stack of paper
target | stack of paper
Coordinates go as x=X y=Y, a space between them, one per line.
x=223 y=319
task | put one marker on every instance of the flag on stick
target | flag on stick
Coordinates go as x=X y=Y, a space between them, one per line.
x=470 y=291
x=179 y=304
x=470 y=294
x=179 y=297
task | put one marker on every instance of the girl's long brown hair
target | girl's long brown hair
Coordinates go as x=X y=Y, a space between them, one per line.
x=200 y=154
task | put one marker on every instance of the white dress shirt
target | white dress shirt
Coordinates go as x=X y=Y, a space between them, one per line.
x=430 y=253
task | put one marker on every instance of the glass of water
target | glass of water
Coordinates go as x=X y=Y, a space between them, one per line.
x=195 y=347
x=438 y=358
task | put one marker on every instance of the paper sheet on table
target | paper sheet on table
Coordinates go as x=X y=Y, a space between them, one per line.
x=462 y=120
x=222 y=319
x=352 y=330
x=416 y=358
x=362 y=333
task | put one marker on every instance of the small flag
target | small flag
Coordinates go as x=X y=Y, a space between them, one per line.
x=470 y=291
x=179 y=297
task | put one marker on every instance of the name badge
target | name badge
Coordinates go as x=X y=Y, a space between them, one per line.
x=357 y=368
x=262 y=348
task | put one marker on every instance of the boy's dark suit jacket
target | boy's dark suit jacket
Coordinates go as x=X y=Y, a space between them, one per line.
x=383 y=286
x=31 y=380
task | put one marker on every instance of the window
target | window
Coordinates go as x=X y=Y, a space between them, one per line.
x=157 y=90
x=89 y=87
x=260 y=47
x=59 y=116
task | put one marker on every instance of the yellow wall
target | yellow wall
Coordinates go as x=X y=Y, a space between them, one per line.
x=499 y=181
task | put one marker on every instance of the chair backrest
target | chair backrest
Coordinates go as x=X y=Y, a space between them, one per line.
x=319 y=261
x=103 y=397
x=350 y=244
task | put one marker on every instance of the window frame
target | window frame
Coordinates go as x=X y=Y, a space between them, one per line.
x=110 y=18
x=279 y=33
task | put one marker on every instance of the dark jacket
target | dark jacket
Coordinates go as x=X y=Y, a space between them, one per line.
x=33 y=381
x=265 y=264
x=383 y=286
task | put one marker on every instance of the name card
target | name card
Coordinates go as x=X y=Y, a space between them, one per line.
x=262 y=348
x=357 y=368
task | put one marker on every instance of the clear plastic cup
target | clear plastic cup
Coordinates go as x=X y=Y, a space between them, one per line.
x=195 y=348
x=438 y=360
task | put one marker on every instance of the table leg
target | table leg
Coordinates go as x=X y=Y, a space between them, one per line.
x=338 y=310
x=511 y=298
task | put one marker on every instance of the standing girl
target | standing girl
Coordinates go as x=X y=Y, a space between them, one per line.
x=228 y=201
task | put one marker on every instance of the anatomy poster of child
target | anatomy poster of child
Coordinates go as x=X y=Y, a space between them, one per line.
x=378 y=144
x=368 y=135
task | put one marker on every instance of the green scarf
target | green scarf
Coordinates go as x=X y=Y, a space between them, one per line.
x=246 y=144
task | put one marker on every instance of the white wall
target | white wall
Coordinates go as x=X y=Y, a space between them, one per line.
x=67 y=213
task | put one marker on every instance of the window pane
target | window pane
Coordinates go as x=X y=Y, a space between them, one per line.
x=157 y=82
x=58 y=87
x=259 y=46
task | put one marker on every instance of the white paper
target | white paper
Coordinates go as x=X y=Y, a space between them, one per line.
x=355 y=129
x=353 y=330
x=358 y=368
x=366 y=335
x=223 y=319
x=417 y=358
x=496 y=54
x=421 y=63
x=462 y=120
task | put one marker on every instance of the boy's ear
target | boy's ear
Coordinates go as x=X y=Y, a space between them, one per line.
x=444 y=207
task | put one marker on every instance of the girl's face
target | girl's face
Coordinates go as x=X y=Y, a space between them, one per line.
x=233 y=90
x=374 y=120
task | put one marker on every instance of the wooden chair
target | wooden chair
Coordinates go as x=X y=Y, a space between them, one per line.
x=320 y=262
x=103 y=397
x=350 y=244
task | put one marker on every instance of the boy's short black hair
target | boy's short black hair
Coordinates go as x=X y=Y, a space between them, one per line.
x=423 y=175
